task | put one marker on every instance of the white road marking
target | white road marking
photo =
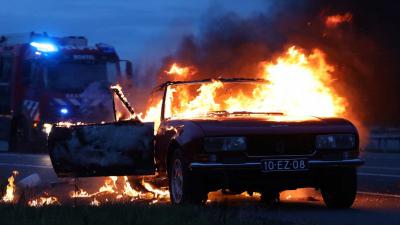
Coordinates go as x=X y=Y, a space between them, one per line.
x=26 y=165
x=379 y=175
x=378 y=194
x=381 y=168
x=19 y=155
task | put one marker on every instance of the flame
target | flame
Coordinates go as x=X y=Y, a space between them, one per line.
x=80 y=194
x=335 y=20
x=129 y=191
x=299 y=194
x=299 y=84
x=122 y=189
x=152 y=115
x=109 y=185
x=42 y=201
x=95 y=202
x=158 y=193
x=180 y=72
x=10 y=189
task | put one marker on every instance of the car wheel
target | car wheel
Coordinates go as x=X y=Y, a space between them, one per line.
x=340 y=189
x=270 y=198
x=184 y=187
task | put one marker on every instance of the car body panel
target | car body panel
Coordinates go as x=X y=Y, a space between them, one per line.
x=274 y=132
x=121 y=148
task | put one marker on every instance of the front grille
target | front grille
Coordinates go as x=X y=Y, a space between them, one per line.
x=280 y=145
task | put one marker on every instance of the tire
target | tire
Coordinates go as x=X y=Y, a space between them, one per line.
x=340 y=189
x=184 y=187
x=270 y=198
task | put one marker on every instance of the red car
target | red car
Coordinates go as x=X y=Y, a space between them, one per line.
x=236 y=151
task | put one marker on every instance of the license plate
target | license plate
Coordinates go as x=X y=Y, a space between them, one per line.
x=284 y=165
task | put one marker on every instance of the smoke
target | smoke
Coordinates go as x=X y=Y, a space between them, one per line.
x=363 y=50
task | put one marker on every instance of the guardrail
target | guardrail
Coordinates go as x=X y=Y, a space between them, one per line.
x=384 y=140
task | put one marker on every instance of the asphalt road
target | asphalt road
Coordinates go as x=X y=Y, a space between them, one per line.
x=378 y=201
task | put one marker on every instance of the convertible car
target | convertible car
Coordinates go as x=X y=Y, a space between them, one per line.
x=202 y=149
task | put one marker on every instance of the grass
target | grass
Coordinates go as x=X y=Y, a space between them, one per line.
x=129 y=214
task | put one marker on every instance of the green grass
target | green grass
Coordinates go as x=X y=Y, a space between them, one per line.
x=138 y=214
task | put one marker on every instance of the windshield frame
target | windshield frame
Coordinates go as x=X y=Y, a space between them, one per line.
x=107 y=68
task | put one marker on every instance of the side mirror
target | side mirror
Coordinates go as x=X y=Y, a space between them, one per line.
x=128 y=68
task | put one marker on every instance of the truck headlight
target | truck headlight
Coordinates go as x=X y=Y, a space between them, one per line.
x=222 y=144
x=335 y=141
x=46 y=128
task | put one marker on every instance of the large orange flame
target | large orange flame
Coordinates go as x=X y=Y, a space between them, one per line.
x=299 y=84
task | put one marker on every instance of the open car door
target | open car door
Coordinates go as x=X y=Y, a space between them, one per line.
x=123 y=147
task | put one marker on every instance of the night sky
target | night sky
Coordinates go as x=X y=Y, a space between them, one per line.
x=136 y=28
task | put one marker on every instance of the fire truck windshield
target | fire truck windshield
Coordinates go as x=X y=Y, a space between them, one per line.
x=75 y=77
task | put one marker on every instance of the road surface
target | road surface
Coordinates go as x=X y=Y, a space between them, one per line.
x=378 y=200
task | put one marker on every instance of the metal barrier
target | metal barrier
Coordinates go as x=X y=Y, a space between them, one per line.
x=384 y=140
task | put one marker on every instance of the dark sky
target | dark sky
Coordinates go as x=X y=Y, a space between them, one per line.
x=134 y=27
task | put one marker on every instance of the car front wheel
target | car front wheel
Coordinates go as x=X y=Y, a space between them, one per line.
x=339 y=189
x=184 y=187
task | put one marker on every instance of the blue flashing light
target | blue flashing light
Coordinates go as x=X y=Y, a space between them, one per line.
x=44 y=47
x=64 y=111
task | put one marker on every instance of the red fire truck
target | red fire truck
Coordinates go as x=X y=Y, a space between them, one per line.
x=46 y=79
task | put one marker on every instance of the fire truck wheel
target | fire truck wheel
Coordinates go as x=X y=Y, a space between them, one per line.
x=20 y=135
x=340 y=188
x=184 y=187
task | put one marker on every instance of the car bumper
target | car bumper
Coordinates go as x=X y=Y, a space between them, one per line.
x=198 y=166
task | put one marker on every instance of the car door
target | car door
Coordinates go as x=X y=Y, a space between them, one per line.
x=122 y=147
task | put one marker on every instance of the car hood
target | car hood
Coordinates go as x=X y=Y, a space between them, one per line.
x=274 y=124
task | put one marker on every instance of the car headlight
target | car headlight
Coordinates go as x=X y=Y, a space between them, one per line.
x=222 y=144
x=335 y=141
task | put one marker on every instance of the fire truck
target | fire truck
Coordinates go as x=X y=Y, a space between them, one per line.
x=46 y=79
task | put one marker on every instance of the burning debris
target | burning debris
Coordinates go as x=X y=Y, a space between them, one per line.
x=43 y=201
x=115 y=188
x=9 y=196
x=180 y=73
x=118 y=91
x=120 y=189
x=335 y=20
x=95 y=202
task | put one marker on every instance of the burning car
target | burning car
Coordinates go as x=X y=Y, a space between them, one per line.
x=203 y=140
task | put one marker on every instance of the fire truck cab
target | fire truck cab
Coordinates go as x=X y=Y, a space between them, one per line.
x=45 y=80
